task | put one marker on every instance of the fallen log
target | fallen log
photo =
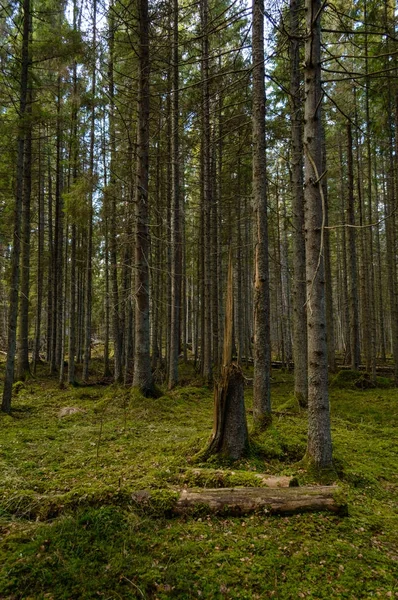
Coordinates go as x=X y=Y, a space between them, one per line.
x=242 y=501
x=221 y=478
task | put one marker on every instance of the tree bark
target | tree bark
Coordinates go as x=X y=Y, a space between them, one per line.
x=40 y=269
x=89 y=257
x=319 y=448
x=175 y=210
x=242 y=501
x=143 y=379
x=207 y=354
x=230 y=436
x=352 y=260
x=262 y=342
x=300 y=351
x=16 y=247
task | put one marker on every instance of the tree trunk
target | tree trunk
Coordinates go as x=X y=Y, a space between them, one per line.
x=352 y=260
x=207 y=199
x=40 y=270
x=319 y=449
x=300 y=352
x=230 y=436
x=89 y=257
x=328 y=265
x=116 y=336
x=23 y=369
x=262 y=342
x=175 y=213
x=16 y=247
x=143 y=379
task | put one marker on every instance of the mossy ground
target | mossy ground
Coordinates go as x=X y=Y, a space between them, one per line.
x=69 y=530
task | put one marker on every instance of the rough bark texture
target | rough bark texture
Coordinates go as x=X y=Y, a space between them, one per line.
x=230 y=436
x=16 y=247
x=117 y=338
x=39 y=275
x=328 y=267
x=352 y=260
x=319 y=449
x=206 y=176
x=175 y=216
x=23 y=368
x=242 y=501
x=142 y=379
x=262 y=344
x=89 y=258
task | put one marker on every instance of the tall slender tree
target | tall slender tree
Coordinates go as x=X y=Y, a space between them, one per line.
x=175 y=217
x=300 y=353
x=143 y=379
x=16 y=247
x=262 y=343
x=319 y=449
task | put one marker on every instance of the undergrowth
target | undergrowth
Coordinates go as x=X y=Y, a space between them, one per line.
x=69 y=527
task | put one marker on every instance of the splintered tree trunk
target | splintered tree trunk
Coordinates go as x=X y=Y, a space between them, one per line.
x=230 y=436
x=143 y=379
x=319 y=449
x=262 y=342
x=16 y=247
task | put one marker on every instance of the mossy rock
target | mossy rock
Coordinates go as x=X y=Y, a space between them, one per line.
x=350 y=379
x=346 y=379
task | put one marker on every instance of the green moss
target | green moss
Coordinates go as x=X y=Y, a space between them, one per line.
x=17 y=387
x=78 y=476
x=155 y=502
x=349 y=379
x=345 y=379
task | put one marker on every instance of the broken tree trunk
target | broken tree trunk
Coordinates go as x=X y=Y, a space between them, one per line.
x=230 y=437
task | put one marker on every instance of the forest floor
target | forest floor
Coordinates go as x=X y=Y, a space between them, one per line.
x=68 y=529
